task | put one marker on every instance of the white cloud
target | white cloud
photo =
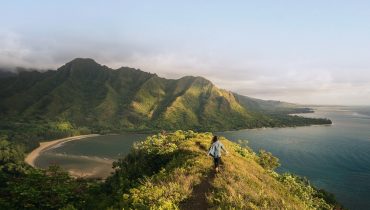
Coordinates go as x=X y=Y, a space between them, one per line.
x=12 y=53
x=297 y=81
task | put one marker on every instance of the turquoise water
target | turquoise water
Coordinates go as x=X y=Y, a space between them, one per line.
x=335 y=157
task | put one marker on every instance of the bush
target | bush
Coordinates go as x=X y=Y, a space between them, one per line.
x=45 y=189
x=242 y=149
x=301 y=188
x=267 y=160
x=11 y=158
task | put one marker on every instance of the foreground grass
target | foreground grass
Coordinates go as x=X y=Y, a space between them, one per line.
x=242 y=183
x=169 y=171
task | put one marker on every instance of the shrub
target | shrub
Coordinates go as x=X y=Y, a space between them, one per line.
x=45 y=189
x=242 y=149
x=301 y=188
x=173 y=183
x=267 y=160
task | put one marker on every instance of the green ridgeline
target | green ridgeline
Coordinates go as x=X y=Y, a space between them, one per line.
x=163 y=172
x=95 y=98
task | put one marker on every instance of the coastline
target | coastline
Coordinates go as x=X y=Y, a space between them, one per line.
x=31 y=157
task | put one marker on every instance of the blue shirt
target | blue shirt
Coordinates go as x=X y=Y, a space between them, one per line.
x=215 y=149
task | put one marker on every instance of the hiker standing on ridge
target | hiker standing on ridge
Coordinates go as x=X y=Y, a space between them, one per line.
x=215 y=151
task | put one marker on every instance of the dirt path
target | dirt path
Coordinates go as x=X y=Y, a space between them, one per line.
x=198 y=200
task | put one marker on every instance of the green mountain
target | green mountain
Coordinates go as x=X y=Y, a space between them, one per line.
x=84 y=97
x=86 y=93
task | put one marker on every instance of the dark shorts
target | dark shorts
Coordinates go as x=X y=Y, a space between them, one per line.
x=217 y=161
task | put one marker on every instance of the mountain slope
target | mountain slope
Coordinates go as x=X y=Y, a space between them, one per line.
x=86 y=93
x=178 y=174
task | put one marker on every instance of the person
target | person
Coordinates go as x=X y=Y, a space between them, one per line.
x=215 y=152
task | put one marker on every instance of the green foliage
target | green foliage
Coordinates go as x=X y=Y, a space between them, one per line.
x=49 y=189
x=283 y=120
x=267 y=160
x=46 y=189
x=63 y=126
x=301 y=188
x=242 y=149
x=68 y=207
x=150 y=195
x=157 y=145
x=146 y=159
x=11 y=167
x=173 y=182
x=30 y=132
x=11 y=158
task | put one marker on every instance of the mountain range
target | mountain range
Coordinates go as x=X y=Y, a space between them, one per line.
x=86 y=93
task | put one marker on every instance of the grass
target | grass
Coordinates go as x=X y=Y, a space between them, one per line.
x=242 y=183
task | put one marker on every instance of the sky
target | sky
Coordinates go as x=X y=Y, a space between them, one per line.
x=307 y=52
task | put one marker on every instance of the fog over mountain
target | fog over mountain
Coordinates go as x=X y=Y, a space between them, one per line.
x=307 y=52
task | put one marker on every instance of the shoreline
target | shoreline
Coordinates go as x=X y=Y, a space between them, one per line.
x=31 y=157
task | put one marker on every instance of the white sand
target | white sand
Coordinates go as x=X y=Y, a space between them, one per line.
x=31 y=157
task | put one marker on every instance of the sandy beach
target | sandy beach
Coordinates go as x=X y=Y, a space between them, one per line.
x=31 y=157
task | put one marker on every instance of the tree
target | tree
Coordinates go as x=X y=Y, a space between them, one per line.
x=11 y=158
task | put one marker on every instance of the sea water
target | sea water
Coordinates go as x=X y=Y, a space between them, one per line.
x=335 y=158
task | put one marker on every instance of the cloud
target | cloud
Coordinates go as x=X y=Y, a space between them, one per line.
x=263 y=76
x=12 y=53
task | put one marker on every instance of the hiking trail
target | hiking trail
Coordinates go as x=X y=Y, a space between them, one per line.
x=198 y=199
